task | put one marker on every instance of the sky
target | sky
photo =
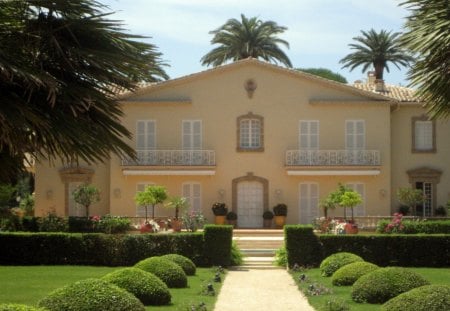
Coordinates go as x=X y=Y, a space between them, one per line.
x=319 y=31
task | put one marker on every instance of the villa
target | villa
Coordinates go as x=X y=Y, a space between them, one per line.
x=252 y=134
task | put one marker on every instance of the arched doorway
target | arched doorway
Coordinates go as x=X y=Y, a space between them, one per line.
x=250 y=200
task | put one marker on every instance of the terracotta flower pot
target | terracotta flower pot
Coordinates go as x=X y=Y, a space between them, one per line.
x=267 y=223
x=351 y=228
x=220 y=220
x=146 y=228
x=280 y=221
x=176 y=225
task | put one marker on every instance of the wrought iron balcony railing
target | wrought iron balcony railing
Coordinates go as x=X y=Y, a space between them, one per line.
x=172 y=158
x=333 y=158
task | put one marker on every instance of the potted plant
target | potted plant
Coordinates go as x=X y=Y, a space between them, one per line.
x=232 y=218
x=152 y=195
x=350 y=199
x=220 y=211
x=267 y=217
x=177 y=203
x=280 y=212
x=86 y=195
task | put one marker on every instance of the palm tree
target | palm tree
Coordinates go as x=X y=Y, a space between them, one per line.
x=377 y=50
x=247 y=38
x=61 y=63
x=427 y=35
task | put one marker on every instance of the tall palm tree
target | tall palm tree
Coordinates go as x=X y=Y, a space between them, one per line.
x=427 y=35
x=376 y=49
x=247 y=38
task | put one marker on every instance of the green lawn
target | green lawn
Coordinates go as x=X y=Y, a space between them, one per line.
x=434 y=275
x=29 y=284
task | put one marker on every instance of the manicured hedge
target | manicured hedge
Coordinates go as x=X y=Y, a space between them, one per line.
x=307 y=249
x=218 y=241
x=336 y=261
x=95 y=248
x=414 y=227
x=302 y=246
x=18 y=307
x=165 y=269
x=424 y=298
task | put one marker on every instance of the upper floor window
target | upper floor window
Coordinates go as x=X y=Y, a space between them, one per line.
x=309 y=134
x=145 y=135
x=355 y=134
x=250 y=133
x=192 y=134
x=423 y=135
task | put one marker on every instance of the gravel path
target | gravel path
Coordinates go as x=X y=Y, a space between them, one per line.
x=260 y=290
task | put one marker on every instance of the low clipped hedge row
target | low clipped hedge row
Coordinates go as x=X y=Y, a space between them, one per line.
x=18 y=307
x=415 y=227
x=305 y=248
x=213 y=247
x=424 y=298
x=95 y=248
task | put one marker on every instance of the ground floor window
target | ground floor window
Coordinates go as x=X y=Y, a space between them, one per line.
x=308 y=202
x=425 y=209
x=75 y=209
x=192 y=191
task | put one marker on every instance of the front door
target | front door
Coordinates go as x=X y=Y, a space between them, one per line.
x=250 y=204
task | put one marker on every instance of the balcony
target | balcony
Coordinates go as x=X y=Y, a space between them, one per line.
x=171 y=162
x=333 y=162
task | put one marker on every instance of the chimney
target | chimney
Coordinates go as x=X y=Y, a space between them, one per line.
x=379 y=86
x=371 y=77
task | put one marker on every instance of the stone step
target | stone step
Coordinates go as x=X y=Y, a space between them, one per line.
x=258 y=263
x=258 y=252
x=258 y=232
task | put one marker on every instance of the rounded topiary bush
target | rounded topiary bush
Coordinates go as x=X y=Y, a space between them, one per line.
x=17 y=307
x=424 y=298
x=91 y=295
x=185 y=263
x=147 y=287
x=385 y=283
x=168 y=271
x=333 y=262
x=348 y=274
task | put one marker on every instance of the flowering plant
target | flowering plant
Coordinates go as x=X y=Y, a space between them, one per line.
x=193 y=220
x=396 y=225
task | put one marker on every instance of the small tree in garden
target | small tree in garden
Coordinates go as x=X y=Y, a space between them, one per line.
x=410 y=197
x=152 y=195
x=86 y=195
x=327 y=204
x=350 y=199
x=334 y=198
x=178 y=203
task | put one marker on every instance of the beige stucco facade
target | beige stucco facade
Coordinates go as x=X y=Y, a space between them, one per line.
x=198 y=130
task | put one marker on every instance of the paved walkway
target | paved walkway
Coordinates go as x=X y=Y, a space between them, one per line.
x=260 y=290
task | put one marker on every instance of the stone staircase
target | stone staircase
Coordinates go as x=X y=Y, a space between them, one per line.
x=258 y=247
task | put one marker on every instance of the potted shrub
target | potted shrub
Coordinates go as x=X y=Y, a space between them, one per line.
x=220 y=211
x=177 y=203
x=350 y=199
x=86 y=195
x=267 y=217
x=152 y=195
x=232 y=218
x=280 y=212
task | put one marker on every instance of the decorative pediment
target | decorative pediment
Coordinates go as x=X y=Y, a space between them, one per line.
x=424 y=174
x=76 y=174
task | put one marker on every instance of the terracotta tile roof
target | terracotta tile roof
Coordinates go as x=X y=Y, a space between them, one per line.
x=400 y=93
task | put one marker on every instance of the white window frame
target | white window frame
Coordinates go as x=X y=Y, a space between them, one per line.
x=75 y=209
x=250 y=133
x=311 y=211
x=188 y=139
x=146 y=134
x=306 y=138
x=353 y=137
x=359 y=210
x=140 y=210
x=195 y=201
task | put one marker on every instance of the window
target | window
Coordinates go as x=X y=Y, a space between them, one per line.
x=192 y=134
x=355 y=135
x=309 y=202
x=423 y=135
x=75 y=209
x=140 y=210
x=309 y=135
x=192 y=192
x=146 y=135
x=360 y=188
x=250 y=133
